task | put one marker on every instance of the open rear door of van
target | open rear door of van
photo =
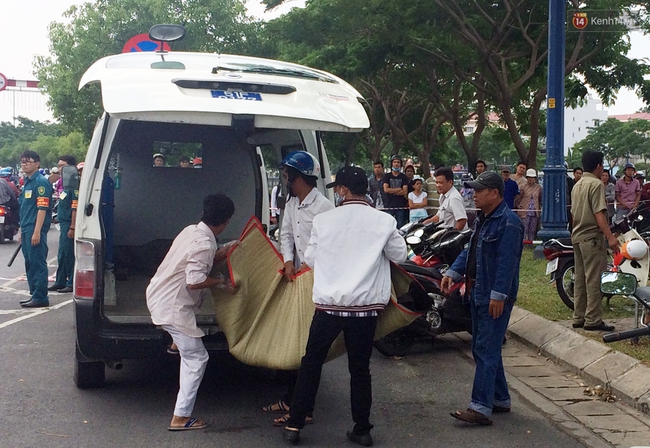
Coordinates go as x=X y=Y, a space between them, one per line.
x=225 y=90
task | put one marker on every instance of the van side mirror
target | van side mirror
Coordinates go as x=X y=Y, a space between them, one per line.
x=70 y=177
x=617 y=283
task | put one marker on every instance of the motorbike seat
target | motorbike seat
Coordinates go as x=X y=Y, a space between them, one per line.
x=565 y=241
x=411 y=267
x=643 y=293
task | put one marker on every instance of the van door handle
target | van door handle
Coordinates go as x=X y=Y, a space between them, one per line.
x=89 y=209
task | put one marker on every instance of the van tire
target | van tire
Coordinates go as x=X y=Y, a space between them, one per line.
x=2 y=234
x=88 y=374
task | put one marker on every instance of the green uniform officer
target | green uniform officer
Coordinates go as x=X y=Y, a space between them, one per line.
x=590 y=230
x=35 y=217
x=66 y=216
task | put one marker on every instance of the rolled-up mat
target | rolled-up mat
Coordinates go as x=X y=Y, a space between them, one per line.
x=266 y=321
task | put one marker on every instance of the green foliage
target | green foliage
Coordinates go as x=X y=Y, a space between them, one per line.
x=617 y=140
x=48 y=140
x=419 y=62
x=94 y=30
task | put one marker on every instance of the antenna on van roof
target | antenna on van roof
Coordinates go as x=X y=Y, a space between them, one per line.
x=166 y=33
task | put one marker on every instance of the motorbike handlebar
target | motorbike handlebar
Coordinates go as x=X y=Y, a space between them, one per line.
x=626 y=334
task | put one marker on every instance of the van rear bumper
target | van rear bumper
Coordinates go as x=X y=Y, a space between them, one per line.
x=98 y=338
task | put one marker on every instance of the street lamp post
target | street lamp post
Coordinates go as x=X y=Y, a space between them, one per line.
x=554 y=210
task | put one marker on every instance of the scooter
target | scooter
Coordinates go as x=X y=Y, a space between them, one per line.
x=440 y=313
x=612 y=282
x=8 y=223
x=560 y=256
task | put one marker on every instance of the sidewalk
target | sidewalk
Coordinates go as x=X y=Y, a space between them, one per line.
x=628 y=378
x=558 y=391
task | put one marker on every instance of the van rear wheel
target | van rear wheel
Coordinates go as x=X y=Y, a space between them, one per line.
x=88 y=374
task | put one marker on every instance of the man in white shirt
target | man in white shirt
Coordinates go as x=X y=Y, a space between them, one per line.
x=350 y=249
x=174 y=295
x=300 y=170
x=452 y=211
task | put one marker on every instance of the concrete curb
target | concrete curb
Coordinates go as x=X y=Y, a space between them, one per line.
x=627 y=377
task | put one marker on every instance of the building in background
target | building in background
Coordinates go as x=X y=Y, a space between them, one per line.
x=578 y=121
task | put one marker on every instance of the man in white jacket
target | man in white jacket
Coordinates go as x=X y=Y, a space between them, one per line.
x=349 y=250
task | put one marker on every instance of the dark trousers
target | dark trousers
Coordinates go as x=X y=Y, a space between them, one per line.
x=401 y=216
x=358 y=333
x=289 y=378
x=65 y=256
x=36 y=265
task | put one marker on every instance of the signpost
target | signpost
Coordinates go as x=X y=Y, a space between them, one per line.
x=554 y=204
x=141 y=42
x=3 y=82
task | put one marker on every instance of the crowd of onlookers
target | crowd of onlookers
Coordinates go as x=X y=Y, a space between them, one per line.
x=410 y=197
x=12 y=183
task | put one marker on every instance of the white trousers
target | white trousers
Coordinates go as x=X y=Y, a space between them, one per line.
x=194 y=360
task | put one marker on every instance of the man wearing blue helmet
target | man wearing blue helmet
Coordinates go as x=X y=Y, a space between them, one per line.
x=300 y=171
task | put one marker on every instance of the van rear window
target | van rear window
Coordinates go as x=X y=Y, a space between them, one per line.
x=166 y=154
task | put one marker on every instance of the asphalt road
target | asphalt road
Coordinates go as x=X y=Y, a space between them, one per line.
x=40 y=405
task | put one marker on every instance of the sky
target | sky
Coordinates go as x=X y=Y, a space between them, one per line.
x=23 y=35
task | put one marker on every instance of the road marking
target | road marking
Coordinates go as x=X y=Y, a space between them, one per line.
x=22 y=292
x=35 y=313
x=27 y=314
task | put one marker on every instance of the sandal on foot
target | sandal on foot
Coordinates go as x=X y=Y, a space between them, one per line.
x=192 y=423
x=280 y=406
x=472 y=416
x=172 y=351
x=280 y=421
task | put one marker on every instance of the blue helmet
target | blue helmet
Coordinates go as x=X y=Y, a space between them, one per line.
x=302 y=161
x=5 y=172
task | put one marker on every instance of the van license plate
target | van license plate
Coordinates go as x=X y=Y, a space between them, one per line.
x=2 y=219
x=551 y=266
x=235 y=95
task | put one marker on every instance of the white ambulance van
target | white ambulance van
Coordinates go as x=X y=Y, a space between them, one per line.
x=138 y=191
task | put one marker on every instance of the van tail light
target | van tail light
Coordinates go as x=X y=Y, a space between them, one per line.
x=3 y=211
x=84 y=275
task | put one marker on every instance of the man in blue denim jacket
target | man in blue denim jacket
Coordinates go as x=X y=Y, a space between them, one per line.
x=491 y=268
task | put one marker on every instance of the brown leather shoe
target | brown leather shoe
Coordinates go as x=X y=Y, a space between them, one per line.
x=472 y=416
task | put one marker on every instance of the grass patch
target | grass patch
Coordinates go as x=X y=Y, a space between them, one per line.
x=539 y=296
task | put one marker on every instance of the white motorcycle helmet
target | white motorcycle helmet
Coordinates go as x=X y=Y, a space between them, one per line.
x=634 y=250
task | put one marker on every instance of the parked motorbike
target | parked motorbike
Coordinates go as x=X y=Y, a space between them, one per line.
x=559 y=252
x=626 y=284
x=8 y=223
x=433 y=251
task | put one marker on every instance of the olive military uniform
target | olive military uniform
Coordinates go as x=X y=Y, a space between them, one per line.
x=587 y=199
x=65 y=271
x=36 y=195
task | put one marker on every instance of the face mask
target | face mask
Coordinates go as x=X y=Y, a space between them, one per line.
x=340 y=200
x=394 y=168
